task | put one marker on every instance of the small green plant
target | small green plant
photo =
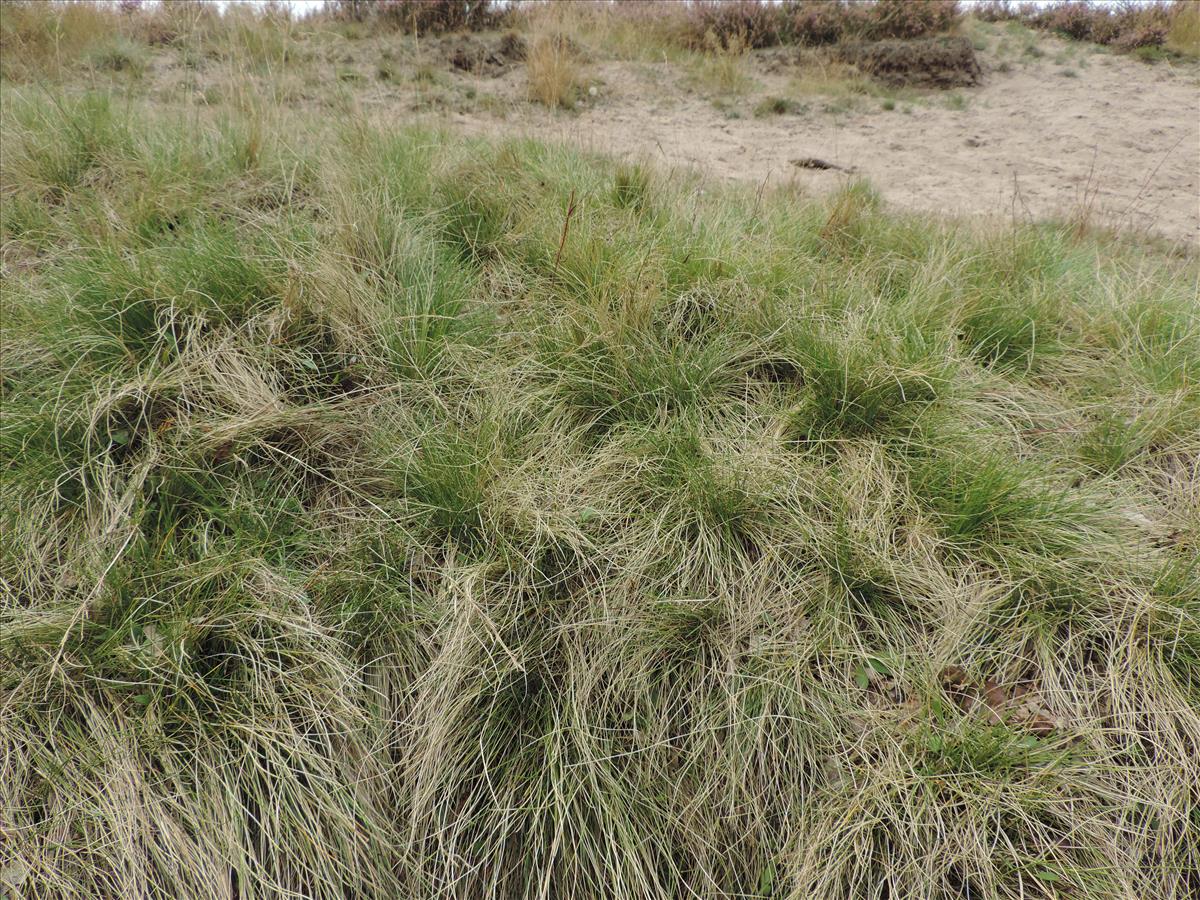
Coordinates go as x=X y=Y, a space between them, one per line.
x=1150 y=53
x=956 y=101
x=631 y=186
x=120 y=55
x=778 y=106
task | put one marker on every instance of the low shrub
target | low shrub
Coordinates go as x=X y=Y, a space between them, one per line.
x=930 y=62
x=747 y=23
x=899 y=19
x=119 y=55
x=421 y=16
x=1142 y=36
x=777 y=106
x=758 y=23
x=1126 y=28
x=1073 y=19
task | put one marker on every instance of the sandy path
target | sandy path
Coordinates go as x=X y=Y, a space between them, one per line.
x=1120 y=139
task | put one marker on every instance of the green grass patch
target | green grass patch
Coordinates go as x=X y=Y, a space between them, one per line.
x=390 y=514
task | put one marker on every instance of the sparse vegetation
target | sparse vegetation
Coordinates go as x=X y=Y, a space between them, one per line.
x=722 y=69
x=835 y=81
x=387 y=514
x=119 y=55
x=1145 y=29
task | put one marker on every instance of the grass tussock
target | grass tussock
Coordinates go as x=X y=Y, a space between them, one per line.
x=721 y=69
x=38 y=39
x=48 y=40
x=553 y=70
x=391 y=515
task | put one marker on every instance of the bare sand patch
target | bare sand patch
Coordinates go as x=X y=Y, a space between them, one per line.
x=1064 y=131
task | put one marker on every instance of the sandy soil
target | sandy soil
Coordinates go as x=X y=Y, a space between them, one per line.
x=1056 y=130
x=1065 y=131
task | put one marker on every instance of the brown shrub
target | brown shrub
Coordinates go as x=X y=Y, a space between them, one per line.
x=816 y=24
x=995 y=11
x=889 y=19
x=1073 y=19
x=753 y=24
x=1125 y=28
x=1105 y=30
x=512 y=46
x=749 y=23
x=422 y=16
x=1149 y=35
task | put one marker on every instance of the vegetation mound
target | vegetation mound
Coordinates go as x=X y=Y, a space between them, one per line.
x=930 y=62
x=482 y=57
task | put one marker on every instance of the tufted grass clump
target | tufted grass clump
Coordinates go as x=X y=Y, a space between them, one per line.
x=392 y=515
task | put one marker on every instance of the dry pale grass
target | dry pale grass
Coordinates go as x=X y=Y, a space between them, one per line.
x=38 y=39
x=1183 y=36
x=553 y=70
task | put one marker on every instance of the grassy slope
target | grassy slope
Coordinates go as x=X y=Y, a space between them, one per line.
x=373 y=528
